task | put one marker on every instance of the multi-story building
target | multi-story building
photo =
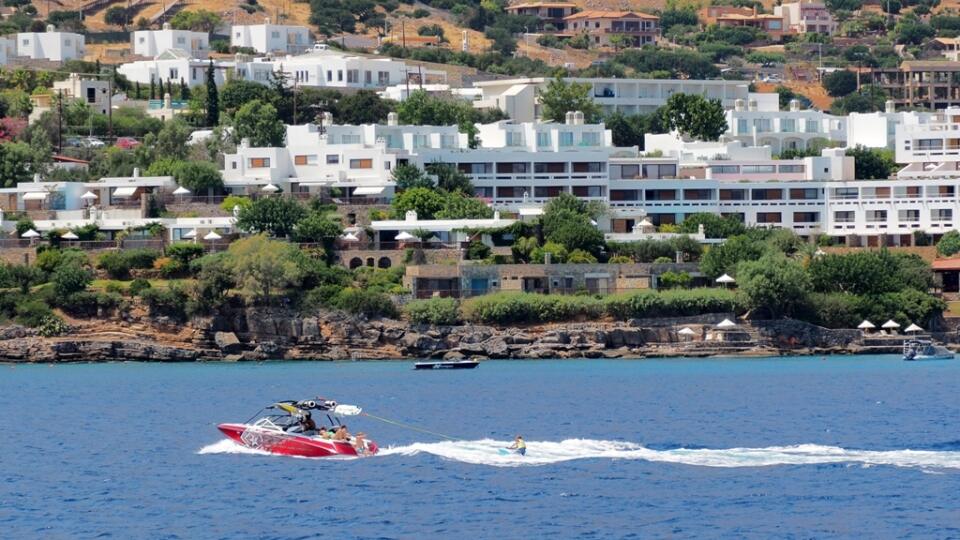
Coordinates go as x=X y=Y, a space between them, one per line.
x=518 y=97
x=949 y=47
x=151 y=43
x=271 y=38
x=51 y=45
x=769 y=23
x=326 y=68
x=174 y=65
x=879 y=129
x=807 y=17
x=551 y=14
x=918 y=83
x=94 y=93
x=639 y=29
x=793 y=129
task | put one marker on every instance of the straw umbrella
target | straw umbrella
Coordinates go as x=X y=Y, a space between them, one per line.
x=191 y=235
x=212 y=235
x=725 y=280
x=180 y=192
x=30 y=234
x=350 y=237
x=726 y=324
x=913 y=328
x=270 y=188
x=686 y=333
x=866 y=325
x=89 y=197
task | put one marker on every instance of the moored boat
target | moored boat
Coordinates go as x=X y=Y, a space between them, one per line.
x=454 y=364
x=924 y=349
x=287 y=428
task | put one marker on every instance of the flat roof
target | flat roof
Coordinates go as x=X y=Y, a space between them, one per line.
x=599 y=14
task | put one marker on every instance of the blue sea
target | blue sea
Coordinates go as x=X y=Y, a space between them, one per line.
x=857 y=447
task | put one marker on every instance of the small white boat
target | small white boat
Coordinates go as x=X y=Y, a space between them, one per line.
x=924 y=349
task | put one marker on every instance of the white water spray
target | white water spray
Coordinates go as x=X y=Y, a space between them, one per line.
x=487 y=452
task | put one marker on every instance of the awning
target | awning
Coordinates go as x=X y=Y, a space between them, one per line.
x=35 y=196
x=369 y=190
x=126 y=191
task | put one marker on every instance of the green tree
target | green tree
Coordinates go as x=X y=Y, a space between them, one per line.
x=172 y=139
x=213 y=100
x=714 y=226
x=523 y=248
x=949 y=244
x=723 y=258
x=840 y=83
x=869 y=99
x=450 y=178
x=199 y=176
x=258 y=122
x=775 y=284
x=696 y=117
x=364 y=107
x=910 y=30
x=18 y=162
x=872 y=163
x=262 y=266
x=274 y=215
x=24 y=276
x=117 y=16
x=459 y=206
x=869 y=273
x=426 y=202
x=317 y=227
x=561 y=97
x=200 y=20
x=235 y=93
x=409 y=176
x=70 y=278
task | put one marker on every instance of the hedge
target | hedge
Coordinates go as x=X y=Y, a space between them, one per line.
x=439 y=311
x=672 y=303
x=506 y=307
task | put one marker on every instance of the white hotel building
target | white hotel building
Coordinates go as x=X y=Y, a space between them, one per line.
x=151 y=43
x=269 y=38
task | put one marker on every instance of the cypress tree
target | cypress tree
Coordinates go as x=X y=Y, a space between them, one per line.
x=213 y=100
x=170 y=87
x=184 y=89
x=138 y=90
x=153 y=89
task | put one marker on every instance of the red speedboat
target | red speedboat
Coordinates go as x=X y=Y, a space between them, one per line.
x=288 y=428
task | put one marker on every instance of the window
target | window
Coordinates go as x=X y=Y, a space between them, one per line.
x=566 y=138
x=174 y=73
x=762 y=125
x=511 y=168
x=26 y=42
x=803 y=194
x=845 y=193
x=876 y=216
x=812 y=126
x=724 y=169
x=768 y=217
x=806 y=217
x=588 y=191
x=624 y=172
x=259 y=163
x=514 y=138
x=766 y=194
x=844 y=216
x=181 y=40
x=91 y=95
x=661 y=195
x=775 y=25
x=588 y=167
x=340 y=75
x=546 y=168
x=305 y=160
x=543 y=139
x=941 y=214
x=367 y=77
x=624 y=195
x=908 y=216
x=448 y=141
x=742 y=126
x=361 y=163
x=697 y=194
x=275 y=35
x=591 y=139
x=329 y=76
x=333 y=159
x=383 y=78
x=788 y=125
x=421 y=141
x=791 y=168
x=350 y=139
x=353 y=76
x=659 y=171
x=930 y=144
x=758 y=169
x=142 y=40
x=68 y=42
x=547 y=191
x=733 y=194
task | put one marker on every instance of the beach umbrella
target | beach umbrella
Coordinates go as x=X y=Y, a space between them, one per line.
x=70 y=236
x=914 y=328
x=593 y=222
x=726 y=323
x=645 y=223
x=686 y=331
x=866 y=325
x=350 y=237
x=181 y=191
x=190 y=234
x=891 y=324
x=725 y=279
x=405 y=236
x=212 y=235
x=270 y=188
x=89 y=196
x=30 y=234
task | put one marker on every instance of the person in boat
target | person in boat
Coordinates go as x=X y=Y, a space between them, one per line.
x=342 y=434
x=306 y=425
x=359 y=442
x=519 y=446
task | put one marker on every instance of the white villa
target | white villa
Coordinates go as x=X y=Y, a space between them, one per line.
x=151 y=43
x=270 y=38
x=51 y=45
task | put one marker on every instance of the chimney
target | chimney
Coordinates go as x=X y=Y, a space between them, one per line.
x=166 y=26
x=167 y=101
x=739 y=105
x=328 y=118
x=410 y=216
x=568 y=118
x=245 y=142
x=578 y=118
x=266 y=20
x=794 y=104
x=496 y=215
x=890 y=106
x=547 y=257
x=752 y=105
x=51 y=28
x=36 y=177
x=136 y=170
x=393 y=119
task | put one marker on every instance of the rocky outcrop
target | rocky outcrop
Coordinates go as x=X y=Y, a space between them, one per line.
x=270 y=334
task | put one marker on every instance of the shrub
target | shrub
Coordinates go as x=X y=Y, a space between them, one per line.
x=365 y=302
x=51 y=325
x=32 y=311
x=439 y=311
x=510 y=308
x=70 y=278
x=137 y=286
x=477 y=251
x=184 y=252
x=949 y=244
x=675 y=303
x=235 y=201
x=114 y=287
x=170 y=302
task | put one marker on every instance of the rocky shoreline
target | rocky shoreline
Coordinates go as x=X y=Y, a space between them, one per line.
x=257 y=335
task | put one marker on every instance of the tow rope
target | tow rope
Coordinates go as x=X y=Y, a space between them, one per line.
x=408 y=426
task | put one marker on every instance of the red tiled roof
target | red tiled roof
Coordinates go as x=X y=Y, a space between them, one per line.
x=597 y=14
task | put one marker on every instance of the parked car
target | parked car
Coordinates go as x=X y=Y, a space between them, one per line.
x=93 y=142
x=73 y=142
x=127 y=143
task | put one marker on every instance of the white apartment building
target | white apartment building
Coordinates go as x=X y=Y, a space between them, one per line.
x=879 y=129
x=51 y=45
x=807 y=17
x=269 y=38
x=518 y=97
x=173 y=65
x=332 y=69
x=696 y=153
x=151 y=43
x=792 y=129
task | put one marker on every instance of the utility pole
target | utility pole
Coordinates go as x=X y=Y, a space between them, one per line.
x=295 y=81
x=110 y=103
x=403 y=34
x=60 y=122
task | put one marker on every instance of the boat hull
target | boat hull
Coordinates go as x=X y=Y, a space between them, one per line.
x=460 y=364
x=290 y=444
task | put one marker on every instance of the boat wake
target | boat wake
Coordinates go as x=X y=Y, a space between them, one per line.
x=487 y=452
x=226 y=446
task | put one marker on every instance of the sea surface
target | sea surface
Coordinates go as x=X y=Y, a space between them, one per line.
x=857 y=447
